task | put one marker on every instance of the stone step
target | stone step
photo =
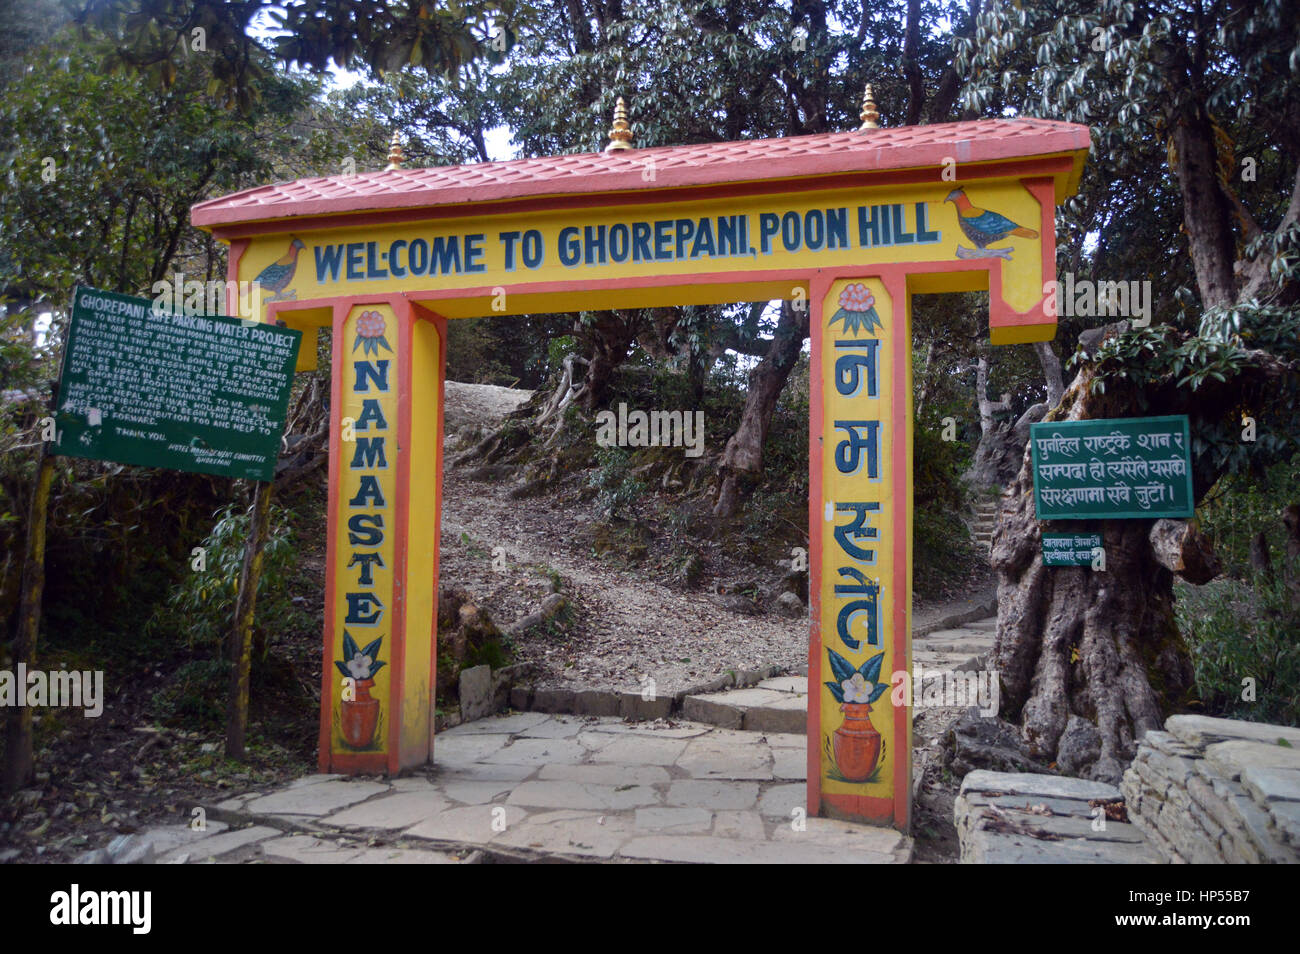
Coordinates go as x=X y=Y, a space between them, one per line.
x=781 y=704
x=774 y=705
x=1011 y=818
x=963 y=647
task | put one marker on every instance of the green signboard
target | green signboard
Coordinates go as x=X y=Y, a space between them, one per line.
x=198 y=393
x=1128 y=467
x=1070 y=549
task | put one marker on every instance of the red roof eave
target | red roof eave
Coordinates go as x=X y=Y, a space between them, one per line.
x=673 y=167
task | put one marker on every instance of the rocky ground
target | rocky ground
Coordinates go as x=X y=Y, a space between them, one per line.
x=629 y=616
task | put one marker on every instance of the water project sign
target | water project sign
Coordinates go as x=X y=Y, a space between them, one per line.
x=1131 y=467
x=204 y=394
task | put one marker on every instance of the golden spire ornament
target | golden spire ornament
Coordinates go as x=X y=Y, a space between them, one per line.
x=870 y=115
x=395 y=156
x=620 y=136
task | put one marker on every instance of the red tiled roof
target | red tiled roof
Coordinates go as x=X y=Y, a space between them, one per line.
x=674 y=166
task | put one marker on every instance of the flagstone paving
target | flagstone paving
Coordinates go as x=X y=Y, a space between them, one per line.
x=781 y=704
x=530 y=786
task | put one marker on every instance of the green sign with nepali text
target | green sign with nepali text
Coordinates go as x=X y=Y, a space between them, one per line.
x=1128 y=467
x=1070 y=549
x=204 y=394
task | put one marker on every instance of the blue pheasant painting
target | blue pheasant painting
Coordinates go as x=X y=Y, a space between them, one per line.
x=983 y=228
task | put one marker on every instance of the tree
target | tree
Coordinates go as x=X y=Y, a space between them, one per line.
x=102 y=170
x=704 y=71
x=101 y=174
x=242 y=40
x=1091 y=660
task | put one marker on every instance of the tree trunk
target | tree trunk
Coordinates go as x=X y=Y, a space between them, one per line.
x=241 y=642
x=19 y=764
x=1098 y=645
x=742 y=460
x=1207 y=214
x=987 y=408
x=925 y=379
x=1051 y=366
x=610 y=335
x=997 y=455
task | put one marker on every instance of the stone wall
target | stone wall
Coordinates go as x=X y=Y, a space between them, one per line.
x=1215 y=791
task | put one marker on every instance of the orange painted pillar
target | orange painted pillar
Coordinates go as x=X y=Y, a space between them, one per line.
x=860 y=555
x=378 y=674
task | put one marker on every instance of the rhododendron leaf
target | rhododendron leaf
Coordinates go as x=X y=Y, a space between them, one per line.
x=871 y=668
x=840 y=666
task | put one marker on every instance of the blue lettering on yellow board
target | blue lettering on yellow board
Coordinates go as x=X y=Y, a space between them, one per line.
x=863 y=436
x=366 y=530
x=848 y=535
x=868 y=594
x=663 y=240
x=857 y=376
x=365 y=560
x=853 y=370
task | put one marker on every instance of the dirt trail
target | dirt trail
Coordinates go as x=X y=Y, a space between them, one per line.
x=630 y=626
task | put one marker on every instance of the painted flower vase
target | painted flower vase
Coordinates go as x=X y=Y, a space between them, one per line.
x=857 y=743
x=358 y=717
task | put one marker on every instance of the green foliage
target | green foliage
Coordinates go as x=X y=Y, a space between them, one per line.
x=943 y=555
x=490 y=652
x=936 y=468
x=240 y=38
x=201 y=608
x=1244 y=362
x=1241 y=506
x=513 y=351
x=1225 y=75
x=785 y=453
x=1237 y=631
x=617 y=488
x=195 y=696
x=101 y=170
x=473 y=356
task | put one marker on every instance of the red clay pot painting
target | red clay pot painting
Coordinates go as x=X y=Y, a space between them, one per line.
x=359 y=715
x=857 y=744
x=856 y=749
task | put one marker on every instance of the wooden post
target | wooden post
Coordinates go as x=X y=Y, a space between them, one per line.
x=19 y=765
x=241 y=644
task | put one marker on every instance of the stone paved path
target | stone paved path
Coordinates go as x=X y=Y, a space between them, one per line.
x=781 y=704
x=529 y=785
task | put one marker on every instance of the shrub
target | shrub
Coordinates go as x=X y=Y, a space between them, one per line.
x=195 y=696
x=1238 y=508
x=943 y=553
x=616 y=487
x=202 y=605
x=1237 y=631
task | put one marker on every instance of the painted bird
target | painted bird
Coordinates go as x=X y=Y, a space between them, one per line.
x=279 y=273
x=982 y=226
